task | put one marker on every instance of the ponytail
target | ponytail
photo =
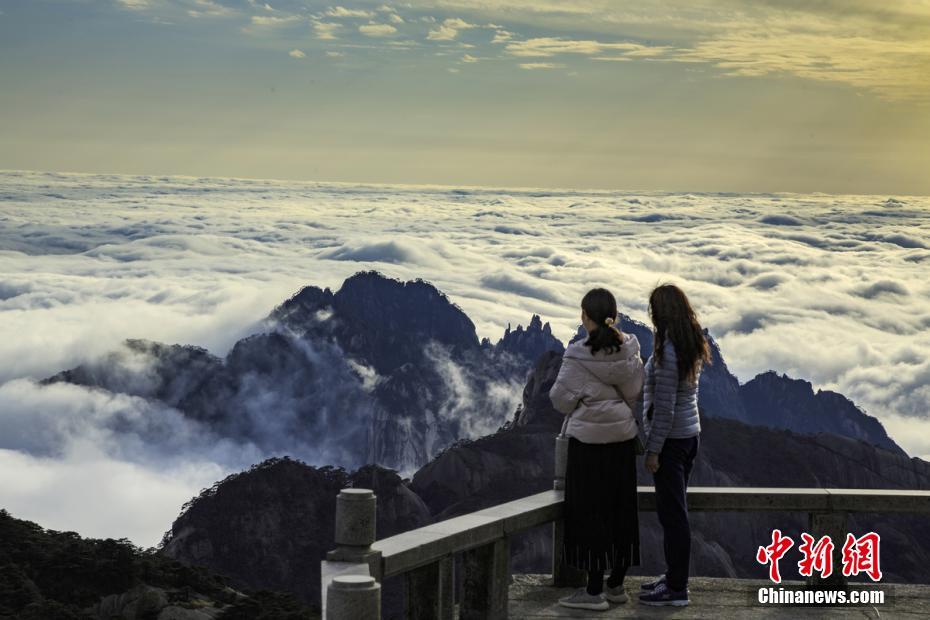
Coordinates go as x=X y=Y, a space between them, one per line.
x=601 y=307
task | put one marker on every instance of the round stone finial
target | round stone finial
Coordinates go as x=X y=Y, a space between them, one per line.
x=353 y=597
x=356 y=512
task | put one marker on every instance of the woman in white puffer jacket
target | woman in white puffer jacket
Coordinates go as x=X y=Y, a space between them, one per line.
x=598 y=385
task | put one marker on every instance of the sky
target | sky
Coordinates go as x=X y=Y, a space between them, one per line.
x=831 y=289
x=697 y=95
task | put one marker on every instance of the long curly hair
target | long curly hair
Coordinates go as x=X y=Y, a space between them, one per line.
x=601 y=307
x=674 y=319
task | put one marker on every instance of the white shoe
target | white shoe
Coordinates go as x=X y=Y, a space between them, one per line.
x=582 y=600
x=615 y=595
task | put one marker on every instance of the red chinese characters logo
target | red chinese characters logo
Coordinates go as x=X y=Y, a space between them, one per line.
x=817 y=556
x=773 y=553
x=859 y=555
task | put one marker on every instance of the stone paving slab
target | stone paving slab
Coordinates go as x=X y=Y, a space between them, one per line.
x=532 y=597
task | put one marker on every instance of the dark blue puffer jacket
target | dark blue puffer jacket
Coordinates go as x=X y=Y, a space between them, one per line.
x=675 y=403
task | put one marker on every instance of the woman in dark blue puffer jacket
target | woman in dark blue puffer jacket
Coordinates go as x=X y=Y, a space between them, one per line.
x=670 y=400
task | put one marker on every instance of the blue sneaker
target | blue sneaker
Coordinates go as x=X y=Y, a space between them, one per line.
x=651 y=585
x=662 y=595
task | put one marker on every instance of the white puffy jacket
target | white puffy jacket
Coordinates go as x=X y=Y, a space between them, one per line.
x=586 y=390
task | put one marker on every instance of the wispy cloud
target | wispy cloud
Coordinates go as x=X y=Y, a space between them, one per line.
x=541 y=65
x=209 y=8
x=377 y=30
x=340 y=11
x=879 y=48
x=449 y=29
x=551 y=46
x=273 y=20
x=326 y=30
x=502 y=36
x=891 y=67
x=295 y=53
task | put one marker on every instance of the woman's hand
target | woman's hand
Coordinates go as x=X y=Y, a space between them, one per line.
x=652 y=462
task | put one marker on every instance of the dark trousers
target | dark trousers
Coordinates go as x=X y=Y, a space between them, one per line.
x=671 y=481
x=596 y=579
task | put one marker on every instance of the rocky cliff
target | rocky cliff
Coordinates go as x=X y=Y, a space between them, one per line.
x=269 y=527
x=779 y=401
x=518 y=461
x=381 y=371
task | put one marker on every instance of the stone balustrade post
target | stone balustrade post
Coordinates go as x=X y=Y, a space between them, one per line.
x=356 y=516
x=486 y=581
x=356 y=513
x=834 y=525
x=561 y=460
x=353 y=597
x=562 y=574
x=429 y=591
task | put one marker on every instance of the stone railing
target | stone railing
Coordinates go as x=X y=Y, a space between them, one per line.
x=353 y=572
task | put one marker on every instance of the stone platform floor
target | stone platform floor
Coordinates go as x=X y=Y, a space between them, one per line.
x=532 y=597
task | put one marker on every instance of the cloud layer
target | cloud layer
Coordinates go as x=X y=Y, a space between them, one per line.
x=826 y=288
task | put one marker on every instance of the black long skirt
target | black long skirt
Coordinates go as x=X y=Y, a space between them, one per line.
x=601 y=512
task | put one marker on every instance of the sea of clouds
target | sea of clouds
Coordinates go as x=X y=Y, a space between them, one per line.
x=832 y=289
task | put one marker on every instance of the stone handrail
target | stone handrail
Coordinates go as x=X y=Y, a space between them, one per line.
x=425 y=555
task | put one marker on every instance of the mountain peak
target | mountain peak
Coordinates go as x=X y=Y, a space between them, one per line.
x=301 y=309
x=380 y=320
x=387 y=321
x=535 y=323
x=799 y=387
x=531 y=342
x=779 y=401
